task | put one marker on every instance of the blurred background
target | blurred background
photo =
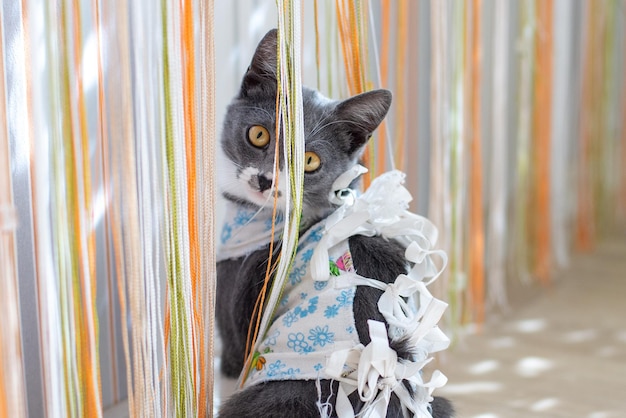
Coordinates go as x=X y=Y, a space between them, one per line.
x=509 y=119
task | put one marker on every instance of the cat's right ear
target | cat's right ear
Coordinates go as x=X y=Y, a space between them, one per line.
x=261 y=75
x=362 y=114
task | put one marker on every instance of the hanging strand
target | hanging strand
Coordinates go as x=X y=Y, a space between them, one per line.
x=541 y=142
x=439 y=208
x=12 y=389
x=476 y=230
x=206 y=296
x=350 y=18
x=402 y=41
x=496 y=244
x=526 y=35
x=291 y=121
x=378 y=164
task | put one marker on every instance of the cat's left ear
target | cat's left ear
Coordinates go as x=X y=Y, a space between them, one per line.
x=261 y=75
x=362 y=114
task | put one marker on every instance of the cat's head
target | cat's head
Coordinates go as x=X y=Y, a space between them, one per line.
x=335 y=135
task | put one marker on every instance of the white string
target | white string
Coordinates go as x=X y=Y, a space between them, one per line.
x=563 y=76
x=439 y=208
x=180 y=278
x=49 y=291
x=290 y=31
x=496 y=232
x=11 y=378
x=207 y=195
x=146 y=131
x=388 y=144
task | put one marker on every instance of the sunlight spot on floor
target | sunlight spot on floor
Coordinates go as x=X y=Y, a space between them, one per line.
x=484 y=367
x=471 y=387
x=600 y=414
x=621 y=336
x=530 y=325
x=581 y=335
x=607 y=351
x=502 y=342
x=533 y=366
x=487 y=415
x=544 y=404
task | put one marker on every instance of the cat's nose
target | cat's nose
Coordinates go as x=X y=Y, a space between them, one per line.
x=264 y=182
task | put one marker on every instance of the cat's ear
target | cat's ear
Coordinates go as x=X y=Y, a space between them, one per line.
x=362 y=114
x=261 y=75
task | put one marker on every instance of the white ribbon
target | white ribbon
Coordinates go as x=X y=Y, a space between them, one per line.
x=424 y=267
x=381 y=210
x=375 y=372
x=341 y=194
x=393 y=306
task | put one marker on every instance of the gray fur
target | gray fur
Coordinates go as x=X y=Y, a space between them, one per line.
x=337 y=132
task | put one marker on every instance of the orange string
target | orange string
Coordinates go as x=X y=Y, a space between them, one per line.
x=477 y=239
x=85 y=350
x=4 y=407
x=355 y=48
x=401 y=86
x=345 y=45
x=260 y=302
x=351 y=43
x=384 y=78
x=189 y=83
x=317 y=42
x=541 y=138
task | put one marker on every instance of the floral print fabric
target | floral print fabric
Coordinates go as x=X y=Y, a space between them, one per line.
x=314 y=318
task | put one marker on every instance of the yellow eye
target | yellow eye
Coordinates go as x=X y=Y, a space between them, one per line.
x=258 y=136
x=311 y=161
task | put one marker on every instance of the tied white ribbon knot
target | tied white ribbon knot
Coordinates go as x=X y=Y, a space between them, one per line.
x=381 y=210
x=375 y=372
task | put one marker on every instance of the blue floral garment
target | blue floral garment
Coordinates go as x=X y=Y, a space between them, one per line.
x=314 y=319
x=313 y=336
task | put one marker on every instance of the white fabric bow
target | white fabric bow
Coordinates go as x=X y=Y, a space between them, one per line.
x=381 y=210
x=375 y=372
x=341 y=194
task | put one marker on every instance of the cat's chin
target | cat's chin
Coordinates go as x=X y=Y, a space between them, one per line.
x=260 y=199
x=254 y=199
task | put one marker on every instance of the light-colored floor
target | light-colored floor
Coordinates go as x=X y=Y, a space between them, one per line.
x=557 y=353
x=562 y=353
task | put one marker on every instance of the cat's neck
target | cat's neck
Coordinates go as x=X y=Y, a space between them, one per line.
x=247 y=227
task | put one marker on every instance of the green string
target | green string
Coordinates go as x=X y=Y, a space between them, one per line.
x=607 y=150
x=294 y=158
x=180 y=367
x=75 y=396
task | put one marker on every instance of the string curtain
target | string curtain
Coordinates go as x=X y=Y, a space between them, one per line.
x=508 y=118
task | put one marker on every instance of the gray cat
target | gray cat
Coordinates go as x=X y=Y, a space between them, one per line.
x=335 y=132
